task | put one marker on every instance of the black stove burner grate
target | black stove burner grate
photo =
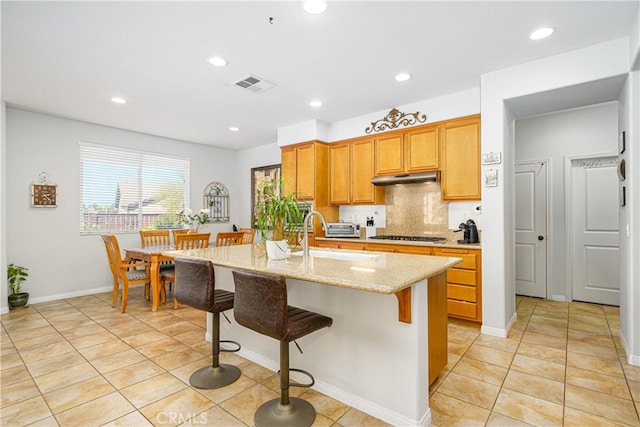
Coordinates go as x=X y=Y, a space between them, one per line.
x=410 y=238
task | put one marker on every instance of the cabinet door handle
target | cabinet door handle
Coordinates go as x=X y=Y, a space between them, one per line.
x=541 y=237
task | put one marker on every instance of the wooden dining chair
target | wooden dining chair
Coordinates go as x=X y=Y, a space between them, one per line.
x=155 y=238
x=184 y=241
x=177 y=231
x=125 y=271
x=249 y=235
x=229 y=238
x=158 y=238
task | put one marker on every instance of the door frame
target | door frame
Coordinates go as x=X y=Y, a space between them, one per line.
x=568 y=198
x=548 y=218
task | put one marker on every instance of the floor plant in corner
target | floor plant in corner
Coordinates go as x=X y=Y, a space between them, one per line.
x=17 y=274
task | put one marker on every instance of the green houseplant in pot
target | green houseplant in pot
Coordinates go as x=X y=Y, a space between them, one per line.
x=278 y=218
x=17 y=274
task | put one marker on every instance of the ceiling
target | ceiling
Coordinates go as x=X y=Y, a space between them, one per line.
x=69 y=58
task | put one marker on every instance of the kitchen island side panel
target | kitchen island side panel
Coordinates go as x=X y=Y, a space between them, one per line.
x=366 y=359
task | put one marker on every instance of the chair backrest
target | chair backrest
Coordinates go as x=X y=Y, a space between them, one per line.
x=155 y=238
x=179 y=231
x=260 y=302
x=229 y=238
x=195 y=283
x=192 y=240
x=249 y=235
x=113 y=254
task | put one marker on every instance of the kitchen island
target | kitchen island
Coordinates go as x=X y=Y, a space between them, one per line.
x=367 y=359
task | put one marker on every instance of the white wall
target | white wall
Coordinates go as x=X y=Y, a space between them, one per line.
x=579 y=66
x=446 y=107
x=580 y=131
x=62 y=262
x=629 y=224
x=4 y=290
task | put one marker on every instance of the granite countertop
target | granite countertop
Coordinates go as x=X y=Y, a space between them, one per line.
x=384 y=273
x=442 y=244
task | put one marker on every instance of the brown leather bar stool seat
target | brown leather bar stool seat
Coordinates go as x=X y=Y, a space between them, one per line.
x=195 y=286
x=261 y=304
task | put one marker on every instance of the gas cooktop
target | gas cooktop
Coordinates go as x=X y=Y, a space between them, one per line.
x=411 y=238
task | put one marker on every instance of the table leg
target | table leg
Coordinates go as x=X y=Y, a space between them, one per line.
x=155 y=282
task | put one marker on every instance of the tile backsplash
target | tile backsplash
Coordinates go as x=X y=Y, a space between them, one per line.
x=414 y=209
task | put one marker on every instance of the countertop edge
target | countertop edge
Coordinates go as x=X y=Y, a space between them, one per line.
x=281 y=268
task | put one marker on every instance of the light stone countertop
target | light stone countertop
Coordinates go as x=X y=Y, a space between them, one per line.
x=443 y=244
x=384 y=273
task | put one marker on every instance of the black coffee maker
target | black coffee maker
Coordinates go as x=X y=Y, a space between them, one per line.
x=470 y=232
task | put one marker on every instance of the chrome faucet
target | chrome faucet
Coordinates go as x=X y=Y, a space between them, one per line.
x=305 y=239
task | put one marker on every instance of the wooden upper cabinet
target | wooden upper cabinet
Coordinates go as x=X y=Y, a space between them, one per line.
x=339 y=166
x=411 y=151
x=351 y=167
x=389 y=154
x=288 y=168
x=422 y=149
x=299 y=169
x=461 y=159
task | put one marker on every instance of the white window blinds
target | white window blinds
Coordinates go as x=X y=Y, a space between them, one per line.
x=125 y=190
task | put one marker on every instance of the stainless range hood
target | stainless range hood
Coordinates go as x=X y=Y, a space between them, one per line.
x=406 y=178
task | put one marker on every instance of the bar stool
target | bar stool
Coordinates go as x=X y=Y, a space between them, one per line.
x=261 y=304
x=195 y=286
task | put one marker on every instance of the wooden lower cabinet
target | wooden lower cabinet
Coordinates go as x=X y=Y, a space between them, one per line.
x=353 y=246
x=438 y=326
x=464 y=283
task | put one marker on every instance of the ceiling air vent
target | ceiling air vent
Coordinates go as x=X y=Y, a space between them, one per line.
x=253 y=84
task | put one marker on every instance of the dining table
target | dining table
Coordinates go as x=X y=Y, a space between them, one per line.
x=155 y=256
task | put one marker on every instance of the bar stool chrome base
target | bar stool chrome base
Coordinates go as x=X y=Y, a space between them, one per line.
x=297 y=413
x=211 y=377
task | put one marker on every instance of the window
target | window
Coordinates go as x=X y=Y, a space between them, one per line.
x=126 y=191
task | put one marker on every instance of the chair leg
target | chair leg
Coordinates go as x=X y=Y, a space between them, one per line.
x=115 y=292
x=125 y=296
x=216 y=375
x=285 y=411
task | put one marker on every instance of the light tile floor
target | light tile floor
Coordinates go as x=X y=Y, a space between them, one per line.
x=79 y=362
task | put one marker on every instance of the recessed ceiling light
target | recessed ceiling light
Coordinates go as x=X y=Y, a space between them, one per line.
x=234 y=129
x=316 y=103
x=403 y=77
x=541 y=33
x=217 y=61
x=118 y=100
x=315 y=7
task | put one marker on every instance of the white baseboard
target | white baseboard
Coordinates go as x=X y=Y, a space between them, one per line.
x=84 y=292
x=343 y=396
x=632 y=359
x=499 y=332
x=561 y=298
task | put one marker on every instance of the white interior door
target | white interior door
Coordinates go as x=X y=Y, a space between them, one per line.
x=594 y=223
x=531 y=229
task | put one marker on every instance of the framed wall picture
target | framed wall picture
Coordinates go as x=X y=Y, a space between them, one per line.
x=259 y=175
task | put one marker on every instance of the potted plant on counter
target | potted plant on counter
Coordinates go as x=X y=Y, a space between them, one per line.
x=277 y=217
x=17 y=274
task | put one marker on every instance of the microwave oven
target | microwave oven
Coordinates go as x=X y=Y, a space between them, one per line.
x=342 y=229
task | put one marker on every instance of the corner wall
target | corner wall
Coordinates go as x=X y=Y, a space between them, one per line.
x=62 y=263
x=579 y=66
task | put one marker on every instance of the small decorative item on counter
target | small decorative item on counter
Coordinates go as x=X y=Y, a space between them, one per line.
x=370 y=221
x=194 y=220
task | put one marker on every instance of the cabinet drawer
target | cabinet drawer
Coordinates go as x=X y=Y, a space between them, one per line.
x=468 y=259
x=460 y=292
x=462 y=309
x=465 y=277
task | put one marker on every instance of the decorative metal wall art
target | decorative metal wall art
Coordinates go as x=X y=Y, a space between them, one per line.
x=216 y=199
x=394 y=119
